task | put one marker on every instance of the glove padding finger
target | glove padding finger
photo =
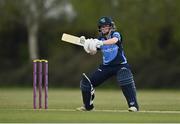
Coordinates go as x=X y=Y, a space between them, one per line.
x=98 y=43
x=82 y=39
x=93 y=52
x=86 y=45
x=92 y=46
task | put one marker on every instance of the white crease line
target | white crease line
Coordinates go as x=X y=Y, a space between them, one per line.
x=98 y=110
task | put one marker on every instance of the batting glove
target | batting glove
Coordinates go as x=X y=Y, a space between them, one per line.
x=98 y=43
x=86 y=45
x=82 y=39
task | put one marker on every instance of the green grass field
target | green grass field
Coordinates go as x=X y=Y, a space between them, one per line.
x=156 y=106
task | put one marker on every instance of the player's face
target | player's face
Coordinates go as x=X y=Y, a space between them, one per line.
x=105 y=29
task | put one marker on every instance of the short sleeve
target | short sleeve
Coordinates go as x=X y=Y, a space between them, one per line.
x=117 y=35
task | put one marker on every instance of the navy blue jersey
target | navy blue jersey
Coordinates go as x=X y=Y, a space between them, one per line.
x=113 y=54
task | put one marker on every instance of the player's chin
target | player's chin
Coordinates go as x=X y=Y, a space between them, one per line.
x=105 y=33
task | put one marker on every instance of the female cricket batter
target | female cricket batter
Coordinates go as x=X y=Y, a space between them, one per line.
x=114 y=63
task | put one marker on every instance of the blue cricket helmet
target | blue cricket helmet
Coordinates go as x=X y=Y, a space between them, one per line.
x=106 y=21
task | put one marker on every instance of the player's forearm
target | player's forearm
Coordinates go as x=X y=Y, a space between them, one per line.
x=110 y=41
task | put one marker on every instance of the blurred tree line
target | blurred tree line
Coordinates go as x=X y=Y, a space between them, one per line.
x=32 y=29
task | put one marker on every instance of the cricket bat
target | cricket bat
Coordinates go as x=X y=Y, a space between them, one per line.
x=72 y=39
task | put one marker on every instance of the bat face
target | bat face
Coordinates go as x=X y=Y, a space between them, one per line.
x=71 y=39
